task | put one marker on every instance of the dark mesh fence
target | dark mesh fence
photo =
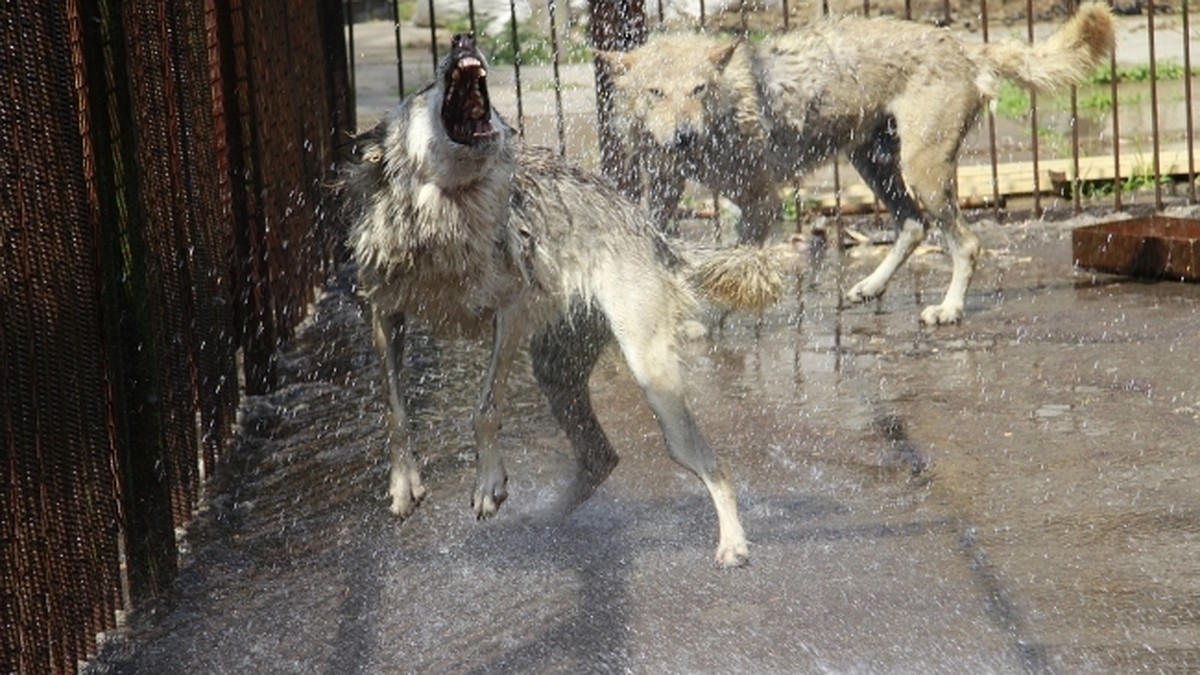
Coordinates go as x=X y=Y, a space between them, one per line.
x=163 y=227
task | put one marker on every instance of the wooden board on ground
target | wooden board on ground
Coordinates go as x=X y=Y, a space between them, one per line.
x=1016 y=179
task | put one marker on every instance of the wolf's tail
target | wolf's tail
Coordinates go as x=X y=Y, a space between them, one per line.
x=1064 y=58
x=745 y=278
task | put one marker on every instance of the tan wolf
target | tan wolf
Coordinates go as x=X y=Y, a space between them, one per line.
x=897 y=97
x=455 y=223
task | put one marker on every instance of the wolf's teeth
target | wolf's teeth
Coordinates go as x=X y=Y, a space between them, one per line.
x=482 y=72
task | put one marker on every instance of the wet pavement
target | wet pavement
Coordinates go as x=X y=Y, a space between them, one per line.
x=1013 y=494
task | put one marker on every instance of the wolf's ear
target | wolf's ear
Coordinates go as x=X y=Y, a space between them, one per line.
x=719 y=56
x=618 y=62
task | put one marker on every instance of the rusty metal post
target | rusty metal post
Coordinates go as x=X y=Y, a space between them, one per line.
x=1116 y=131
x=1156 y=144
x=1033 y=120
x=616 y=25
x=559 y=121
x=991 y=125
x=1187 y=96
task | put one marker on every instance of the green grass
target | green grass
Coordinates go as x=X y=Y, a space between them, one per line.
x=1166 y=70
x=1142 y=178
x=406 y=10
x=1013 y=102
x=534 y=45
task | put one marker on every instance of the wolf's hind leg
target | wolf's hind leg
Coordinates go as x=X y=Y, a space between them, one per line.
x=563 y=358
x=651 y=352
x=404 y=484
x=932 y=138
x=491 y=480
x=878 y=162
x=665 y=191
x=965 y=249
x=932 y=178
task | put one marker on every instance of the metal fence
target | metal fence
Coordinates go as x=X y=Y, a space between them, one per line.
x=1077 y=152
x=164 y=224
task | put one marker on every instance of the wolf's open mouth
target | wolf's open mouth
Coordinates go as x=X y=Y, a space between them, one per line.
x=466 y=110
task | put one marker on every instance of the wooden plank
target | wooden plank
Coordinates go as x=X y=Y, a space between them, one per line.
x=1016 y=178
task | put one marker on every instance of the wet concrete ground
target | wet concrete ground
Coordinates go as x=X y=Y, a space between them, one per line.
x=1013 y=494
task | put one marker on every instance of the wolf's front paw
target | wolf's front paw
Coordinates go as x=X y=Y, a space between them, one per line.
x=405 y=490
x=938 y=315
x=865 y=290
x=733 y=555
x=491 y=489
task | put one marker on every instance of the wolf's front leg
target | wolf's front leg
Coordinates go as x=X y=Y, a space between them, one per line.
x=404 y=485
x=491 y=480
x=911 y=233
x=761 y=209
x=563 y=357
x=665 y=189
x=965 y=249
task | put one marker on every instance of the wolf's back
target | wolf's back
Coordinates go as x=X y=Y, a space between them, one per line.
x=1063 y=59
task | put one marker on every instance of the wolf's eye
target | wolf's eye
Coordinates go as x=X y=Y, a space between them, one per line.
x=655 y=92
x=699 y=89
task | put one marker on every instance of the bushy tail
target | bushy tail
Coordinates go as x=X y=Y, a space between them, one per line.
x=745 y=278
x=1064 y=58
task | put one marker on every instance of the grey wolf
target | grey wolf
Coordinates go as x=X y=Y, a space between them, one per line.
x=897 y=97
x=457 y=224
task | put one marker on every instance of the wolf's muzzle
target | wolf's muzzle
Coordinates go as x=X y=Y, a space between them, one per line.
x=685 y=137
x=466 y=108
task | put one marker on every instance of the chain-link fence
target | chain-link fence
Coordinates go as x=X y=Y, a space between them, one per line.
x=164 y=211
x=1126 y=134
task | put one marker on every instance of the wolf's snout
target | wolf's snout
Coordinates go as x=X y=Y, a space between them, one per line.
x=466 y=107
x=685 y=136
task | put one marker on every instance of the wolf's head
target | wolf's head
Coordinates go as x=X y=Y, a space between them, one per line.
x=450 y=129
x=671 y=89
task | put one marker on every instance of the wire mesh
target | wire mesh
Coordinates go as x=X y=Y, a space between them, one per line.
x=164 y=223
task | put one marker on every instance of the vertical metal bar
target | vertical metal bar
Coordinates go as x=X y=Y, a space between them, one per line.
x=399 y=49
x=786 y=14
x=877 y=207
x=516 y=46
x=560 y=125
x=471 y=16
x=1116 y=139
x=1076 y=181
x=348 y=13
x=1033 y=121
x=433 y=50
x=1188 y=105
x=1155 y=142
x=837 y=173
x=991 y=126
